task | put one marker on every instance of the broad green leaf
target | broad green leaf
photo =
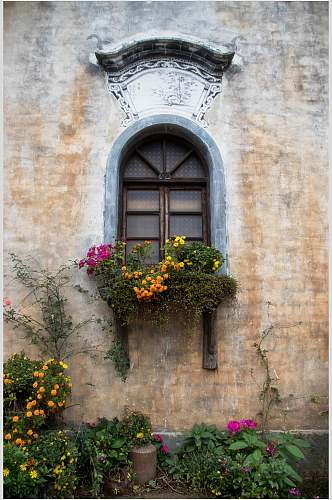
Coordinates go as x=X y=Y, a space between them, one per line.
x=253 y=458
x=117 y=443
x=238 y=445
x=294 y=450
x=292 y=473
x=289 y=482
x=302 y=443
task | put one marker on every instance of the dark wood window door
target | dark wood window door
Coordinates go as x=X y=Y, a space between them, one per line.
x=164 y=194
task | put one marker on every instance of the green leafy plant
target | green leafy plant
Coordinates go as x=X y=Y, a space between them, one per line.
x=51 y=328
x=103 y=452
x=34 y=393
x=186 y=281
x=136 y=427
x=46 y=469
x=117 y=354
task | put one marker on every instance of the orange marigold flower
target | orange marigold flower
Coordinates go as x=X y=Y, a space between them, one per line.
x=36 y=412
x=29 y=414
x=41 y=389
x=35 y=385
x=56 y=386
x=60 y=403
x=7 y=381
x=41 y=374
x=36 y=374
x=15 y=431
x=45 y=367
x=39 y=396
x=53 y=392
x=28 y=406
x=8 y=437
x=143 y=282
x=41 y=412
x=30 y=432
x=50 y=404
x=33 y=403
x=16 y=418
x=18 y=441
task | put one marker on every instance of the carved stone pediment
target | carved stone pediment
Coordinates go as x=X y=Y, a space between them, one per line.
x=164 y=74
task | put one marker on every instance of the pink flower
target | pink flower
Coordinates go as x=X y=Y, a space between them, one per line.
x=165 y=449
x=89 y=270
x=81 y=263
x=251 y=424
x=91 y=262
x=234 y=426
x=244 y=423
x=7 y=302
x=158 y=438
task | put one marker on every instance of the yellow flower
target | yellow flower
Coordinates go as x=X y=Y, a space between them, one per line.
x=6 y=472
x=16 y=418
x=29 y=414
x=181 y=264
x=140 y=435
x=168 y=258
x=64 y=365
x=33 y=474
x=50 y=404
x=23 y=467
x=30 y=432
x=175 y=245
x=167 y=241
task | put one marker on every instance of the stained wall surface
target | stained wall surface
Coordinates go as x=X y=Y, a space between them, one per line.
x=270 y=124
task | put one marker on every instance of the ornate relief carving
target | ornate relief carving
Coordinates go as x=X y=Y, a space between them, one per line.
x=184 y=80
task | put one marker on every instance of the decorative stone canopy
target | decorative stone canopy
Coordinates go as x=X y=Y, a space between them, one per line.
x=152 y=74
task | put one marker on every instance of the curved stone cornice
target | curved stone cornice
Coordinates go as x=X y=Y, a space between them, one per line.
x=213 y=58
x=164 y=73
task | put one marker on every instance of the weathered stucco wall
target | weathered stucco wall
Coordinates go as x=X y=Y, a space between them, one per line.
x=271 y=126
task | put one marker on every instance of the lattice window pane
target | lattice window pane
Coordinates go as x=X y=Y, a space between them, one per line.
x=153 y=152
x=142 y=199
x=185 y=201
x=137 y=168
x=192 y=167
x=174 y=153
x=155 y=249
x=143 y=226
x=189 y=225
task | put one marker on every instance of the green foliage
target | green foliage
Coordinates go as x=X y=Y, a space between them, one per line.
x=51 y=328
x=120 y=360
x=189 y=272
x=46 y=469
x=136 y=427
x=35 y=392
x=238 y=464
x=103 y=450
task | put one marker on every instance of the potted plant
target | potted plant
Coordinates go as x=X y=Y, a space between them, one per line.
x=136 y=427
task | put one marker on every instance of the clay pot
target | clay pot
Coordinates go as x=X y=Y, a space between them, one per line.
x=144 y=460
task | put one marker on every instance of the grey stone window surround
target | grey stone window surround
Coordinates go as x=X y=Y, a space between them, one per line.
x=194 y=133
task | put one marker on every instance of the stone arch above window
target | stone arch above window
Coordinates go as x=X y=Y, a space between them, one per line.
x=154 y=74
x=191 y=134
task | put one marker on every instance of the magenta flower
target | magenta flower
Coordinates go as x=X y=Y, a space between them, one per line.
x=233 y=426
x=294 y=491
x=251 y=424
x=271 y=449
x=7 y=302
x=244 y=423
x=158 y=438
x=165 y=449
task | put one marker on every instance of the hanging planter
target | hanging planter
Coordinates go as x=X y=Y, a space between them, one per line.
x=185 y=283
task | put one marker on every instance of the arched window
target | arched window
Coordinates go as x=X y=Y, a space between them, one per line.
x=164 y=193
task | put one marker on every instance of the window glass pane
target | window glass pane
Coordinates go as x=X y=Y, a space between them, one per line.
x=186 y=225
x=192 y=167
x=142 y=200
x=174 y=153
x=143 y=226
x=153 y=152
x=185 y=201
x=155 y=245
x=137 y=168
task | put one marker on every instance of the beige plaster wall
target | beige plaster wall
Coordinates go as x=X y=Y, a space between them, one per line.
x=271 y=126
